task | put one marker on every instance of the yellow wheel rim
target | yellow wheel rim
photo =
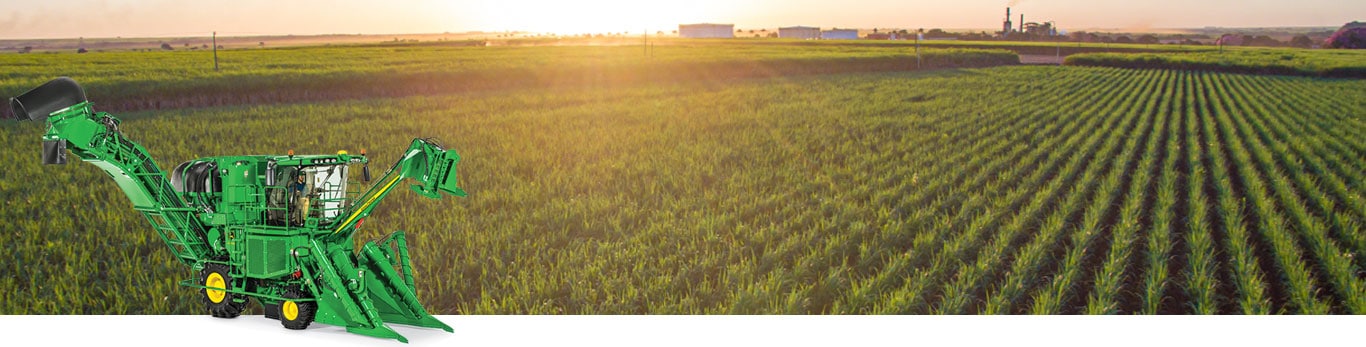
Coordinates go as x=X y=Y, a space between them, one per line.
x=215 y=280
x=289 y=310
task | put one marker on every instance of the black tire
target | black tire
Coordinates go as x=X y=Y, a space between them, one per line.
x=221 y=304
x=303 y=311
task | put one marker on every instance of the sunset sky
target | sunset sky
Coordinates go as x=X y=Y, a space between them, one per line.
x=133 y=18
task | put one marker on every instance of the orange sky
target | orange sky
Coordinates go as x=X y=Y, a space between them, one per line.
x=130 y=18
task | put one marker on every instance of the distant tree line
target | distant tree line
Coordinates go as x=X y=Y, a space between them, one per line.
x=1351 y=36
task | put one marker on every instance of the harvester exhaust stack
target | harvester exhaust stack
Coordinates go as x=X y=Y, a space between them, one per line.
x=277 y=229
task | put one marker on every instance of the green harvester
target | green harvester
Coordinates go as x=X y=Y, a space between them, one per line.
x=274 y=228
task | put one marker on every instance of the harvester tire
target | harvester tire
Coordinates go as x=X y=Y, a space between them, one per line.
x=221 y=304
x=297 y=315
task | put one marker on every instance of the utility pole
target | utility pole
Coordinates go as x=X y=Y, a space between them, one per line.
x=215 y=51
x=919 y=34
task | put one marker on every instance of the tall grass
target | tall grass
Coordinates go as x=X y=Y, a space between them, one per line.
x=998 y=190
x=1283 y=61
x=131 y=81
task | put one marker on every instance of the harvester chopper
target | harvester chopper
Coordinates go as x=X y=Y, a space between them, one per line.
x=277 y=229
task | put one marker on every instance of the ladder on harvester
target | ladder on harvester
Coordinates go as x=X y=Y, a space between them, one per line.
x=172 y=218
x=187 y=249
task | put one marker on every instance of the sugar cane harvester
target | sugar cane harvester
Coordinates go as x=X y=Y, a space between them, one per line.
x=274 y=228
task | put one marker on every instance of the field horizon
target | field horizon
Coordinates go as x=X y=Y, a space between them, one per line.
x=516 y=37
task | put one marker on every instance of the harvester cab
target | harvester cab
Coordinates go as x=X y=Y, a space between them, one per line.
x=276 y=229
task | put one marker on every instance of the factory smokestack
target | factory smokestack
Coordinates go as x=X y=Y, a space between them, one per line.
x=1022 y=22
x=1005 y=29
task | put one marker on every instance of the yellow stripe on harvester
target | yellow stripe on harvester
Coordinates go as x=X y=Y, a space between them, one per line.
x=367 y=203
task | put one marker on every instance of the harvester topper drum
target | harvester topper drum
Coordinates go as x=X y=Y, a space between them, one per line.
x=277 y=229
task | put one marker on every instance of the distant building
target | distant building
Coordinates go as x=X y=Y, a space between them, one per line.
x=706 y=30
x=883 y=36
x=839 y=34
x=799 y=32
x=1040 y=29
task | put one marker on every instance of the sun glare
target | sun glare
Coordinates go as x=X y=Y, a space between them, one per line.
x=595 y=16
